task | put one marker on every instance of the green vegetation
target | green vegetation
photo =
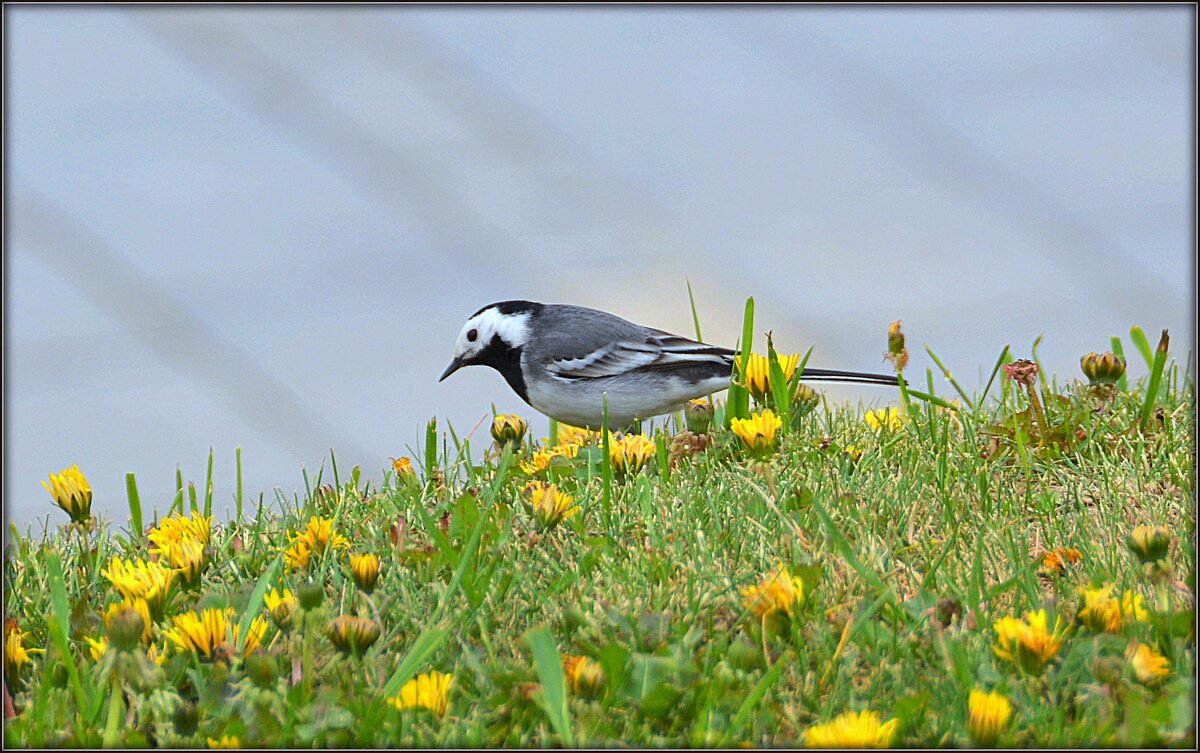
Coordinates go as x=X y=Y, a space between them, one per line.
x=704 y=588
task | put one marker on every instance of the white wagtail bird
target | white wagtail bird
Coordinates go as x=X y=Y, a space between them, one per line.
x=562 y=359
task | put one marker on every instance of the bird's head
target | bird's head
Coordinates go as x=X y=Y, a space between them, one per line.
x=491 y=333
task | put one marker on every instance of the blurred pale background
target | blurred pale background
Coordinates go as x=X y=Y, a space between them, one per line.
x=264 y=227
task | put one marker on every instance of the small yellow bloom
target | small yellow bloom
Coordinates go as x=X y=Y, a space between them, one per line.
x=16 y=655
x=852 y=730
x=97 y=648
x=150 y=581
x=430 y=691
x=317 y=537
x=352 y=634
x=573 y=435
x=989 y=714
x=888 y=418
x=365 y=569
x=227 y=741
x=298 y=554
x=1029 y=643
x=549 y=504
x=1104 y=612
x=1149 y=666
x=281 y=607
x=1055 y=561
x=758 y=373
x=177 y=528
x=541 y=459
x=71 y=492
x=778 y=592
x=629 y=453
x=584 y=676
x=188 y=557
x=202 y=632
x=508 y=429
x=403 y=467
x=758 y=432
x=140 y=607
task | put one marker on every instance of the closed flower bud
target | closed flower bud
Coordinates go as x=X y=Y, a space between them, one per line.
x=71 y=492
x=262 y=669
x=310 y=595
x=1102 y=368
x=125 y=627
x=352 y=634
x=698 y=416
x=1149 y=543
x=508 y=429
x=365 y=569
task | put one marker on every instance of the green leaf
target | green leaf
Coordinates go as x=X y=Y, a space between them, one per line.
x=1143 y=345
x=256 y=601
x=548 y=665
x=135 y=505
x=60 y=618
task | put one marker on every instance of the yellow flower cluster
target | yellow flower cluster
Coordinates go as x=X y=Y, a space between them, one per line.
x=16 y=655
x=778 y=592
x=183 y=543
x=852 y=730
x=888 y=418
x=758 y=373
x=71 y=491
x=429 y=691
x=1029 y=644
x=584 y=676
x=403 y=468
x=541 y=459
x=317 y=537
x=1105 y=613
x=549 y=504
x=629 y=453
x=758 y=433
x=988 y=715
x=201 y=633
x=1147 y=665
x=150 y=581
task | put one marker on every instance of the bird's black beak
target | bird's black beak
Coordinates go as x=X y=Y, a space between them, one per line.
x=454 y=366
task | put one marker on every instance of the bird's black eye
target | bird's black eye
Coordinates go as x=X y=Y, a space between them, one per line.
x=473 y=335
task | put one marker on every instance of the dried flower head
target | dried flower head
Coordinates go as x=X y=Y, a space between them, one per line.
x=1022 y=371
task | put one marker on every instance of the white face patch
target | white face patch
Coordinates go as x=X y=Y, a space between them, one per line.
x=479 y=330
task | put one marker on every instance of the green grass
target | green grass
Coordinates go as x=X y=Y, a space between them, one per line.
x=945 y=516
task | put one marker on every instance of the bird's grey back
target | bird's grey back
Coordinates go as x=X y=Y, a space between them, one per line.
x=566 y=331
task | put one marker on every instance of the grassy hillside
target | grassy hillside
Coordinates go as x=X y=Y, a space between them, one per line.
x=716 y=595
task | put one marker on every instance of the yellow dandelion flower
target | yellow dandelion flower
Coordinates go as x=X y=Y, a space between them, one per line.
x=365 y=569
x=97 y=648
x=1134 y=607
x=150 y=581
x=71 y=491
x=573 y=435
x=1101 y=611
x=281 y=607
x=351 y=634
x=403 y=468
x=549 y=505
x=1029 y=643
x=298 y=554
x=758 y=373
x=429 y=691
x=888 y=418
x=779 y=591
x=584 y=676
x=322 y=536
x=1148 y=666
x=538 y=463
x=177 y=528
x=852 y=730
x=988 y=715
x=201 y=633
x=226 y=741
x=758 y=432
x=1055 y=561
x=629 y=453
x=508 y=429
x=187 y=557
x=16 y=654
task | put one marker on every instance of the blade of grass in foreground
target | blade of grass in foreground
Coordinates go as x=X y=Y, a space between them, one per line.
x=755 y=697
x=737 y=405
x=256 y=601
x=1119 y=352
x=1156 y=372
x=548 y=665
x=779 y=387
x=135 y=505
x=59 y=620
x=1143 y=345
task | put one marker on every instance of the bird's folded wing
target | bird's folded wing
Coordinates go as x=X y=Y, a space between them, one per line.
x=659 y=351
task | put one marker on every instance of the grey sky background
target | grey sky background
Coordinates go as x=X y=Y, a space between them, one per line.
x=264 y=227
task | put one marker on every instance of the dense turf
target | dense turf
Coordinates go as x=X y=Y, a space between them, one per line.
x=911 y=543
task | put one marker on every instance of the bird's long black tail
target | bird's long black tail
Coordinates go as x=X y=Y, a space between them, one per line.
x=852 y=377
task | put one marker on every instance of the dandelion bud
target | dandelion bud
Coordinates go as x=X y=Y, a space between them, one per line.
x=310 y=594
x=125 y=627
x=71 y=492
x=262 y=669
x=508 y=429
x=1149 y=543
x=365 y=569
x=281 y=607
x=352 y=634
x=585 y=676
x=1103 y=368
x=698 y=416
x=989 y=714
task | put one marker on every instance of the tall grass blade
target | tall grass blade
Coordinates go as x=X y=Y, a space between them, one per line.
x=256 y=601
x=208 y=490
x=606 y=471
x=239 y=485
x=548 y=665
x=779 y=387
x=60 y=618
x=1119 y=352
x=1143 y=345
x=738 y=403
x=1156 y=372
x=135 y=505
